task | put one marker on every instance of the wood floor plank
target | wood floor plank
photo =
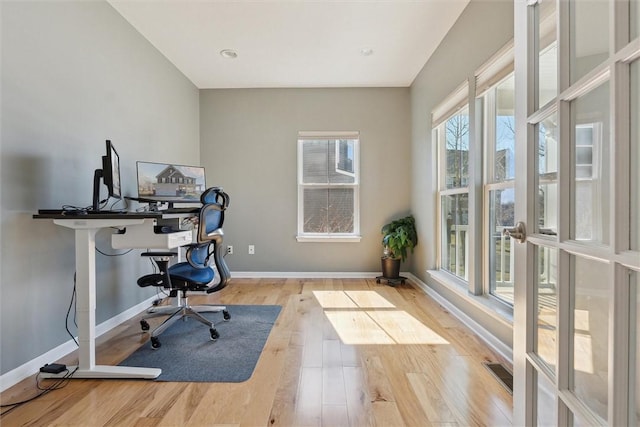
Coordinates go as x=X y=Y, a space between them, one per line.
x=343 y=352
x=357 y=397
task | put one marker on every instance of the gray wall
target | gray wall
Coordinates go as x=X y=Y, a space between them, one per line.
x=249 y=147
x=484 y=27
x=74 y=74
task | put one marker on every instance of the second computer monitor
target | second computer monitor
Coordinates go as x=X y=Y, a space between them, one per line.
x=171 y=183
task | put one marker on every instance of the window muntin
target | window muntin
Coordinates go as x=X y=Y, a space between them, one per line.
x=328 y=185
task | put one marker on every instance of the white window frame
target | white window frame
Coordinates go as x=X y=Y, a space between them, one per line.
x=455 y=103
x=355 y=236
x=469 y=95
x=490 y=184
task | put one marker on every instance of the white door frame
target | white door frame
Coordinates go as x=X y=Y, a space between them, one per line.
x=616 y=254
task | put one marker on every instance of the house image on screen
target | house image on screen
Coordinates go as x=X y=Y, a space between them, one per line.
x=173 y=181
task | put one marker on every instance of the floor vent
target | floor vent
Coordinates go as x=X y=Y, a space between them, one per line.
x=502 y=375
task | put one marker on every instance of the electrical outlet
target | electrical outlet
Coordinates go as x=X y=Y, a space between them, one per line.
x=252 y=249
x=230 y=250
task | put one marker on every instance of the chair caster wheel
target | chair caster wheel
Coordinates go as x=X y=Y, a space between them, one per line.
x=155 y=343
x=144 y=325
x=214 y=334
x=225 y=315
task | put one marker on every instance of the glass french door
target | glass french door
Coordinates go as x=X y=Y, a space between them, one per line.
x=576 y=296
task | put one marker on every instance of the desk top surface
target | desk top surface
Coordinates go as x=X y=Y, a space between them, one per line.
x=61 y=214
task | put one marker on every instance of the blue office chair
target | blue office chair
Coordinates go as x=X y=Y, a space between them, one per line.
x=195 y=274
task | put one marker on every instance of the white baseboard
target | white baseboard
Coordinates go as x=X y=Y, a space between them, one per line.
x=18 y=374
x=303 y=275
x=494 y=343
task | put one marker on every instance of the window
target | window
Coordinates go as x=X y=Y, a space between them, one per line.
x=328 y=186
x=452 y=136
x=499 y=151
x=474 y=128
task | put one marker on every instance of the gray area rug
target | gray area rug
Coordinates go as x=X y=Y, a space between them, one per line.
x=188 y=354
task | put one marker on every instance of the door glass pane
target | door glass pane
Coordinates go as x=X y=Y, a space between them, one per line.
x=457 y=150
x=591 y=161
x=547 y=51
x=635 y=18
x=634 y=280
x=505 y=143
x=578 y=421
x=589 y=36
x=547 y=410
x=547 y=299
x=501 y=258
x=635 y=158
x=547 y=206
x=591 y=333
x=454 y=236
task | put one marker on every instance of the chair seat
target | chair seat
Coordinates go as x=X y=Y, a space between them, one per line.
x=183 y=271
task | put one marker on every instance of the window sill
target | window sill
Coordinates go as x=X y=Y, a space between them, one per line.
x=496 y=309
x=328 y=239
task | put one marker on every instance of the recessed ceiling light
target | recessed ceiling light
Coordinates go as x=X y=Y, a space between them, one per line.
x=229 y=53
x=365 y=51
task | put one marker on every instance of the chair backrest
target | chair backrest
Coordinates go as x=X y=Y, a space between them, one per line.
x=210 y=235
x=214 y=202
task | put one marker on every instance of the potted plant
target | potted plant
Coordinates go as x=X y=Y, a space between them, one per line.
x=398 y=237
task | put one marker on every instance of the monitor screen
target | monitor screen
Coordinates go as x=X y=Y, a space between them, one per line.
x=111 y=171
x=164 y=182
x=109 y=175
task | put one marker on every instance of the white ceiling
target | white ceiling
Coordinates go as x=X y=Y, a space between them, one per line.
x=294 y=43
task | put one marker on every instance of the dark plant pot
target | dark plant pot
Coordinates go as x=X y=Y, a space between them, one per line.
x=390 y=268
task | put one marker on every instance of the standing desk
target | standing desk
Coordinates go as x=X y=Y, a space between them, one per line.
x=86 y=227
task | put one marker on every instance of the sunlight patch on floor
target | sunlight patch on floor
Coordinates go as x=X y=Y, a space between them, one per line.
x=366 y=317
x=334 y=299
x=356 y=327
x=404 y=328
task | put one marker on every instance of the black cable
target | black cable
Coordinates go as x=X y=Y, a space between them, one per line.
x=119 y=254
x=62 y=382
x=66 y=322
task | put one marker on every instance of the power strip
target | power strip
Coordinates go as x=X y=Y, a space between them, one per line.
x=53 y=368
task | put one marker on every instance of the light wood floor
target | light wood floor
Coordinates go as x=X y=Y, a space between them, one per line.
x=346 y=352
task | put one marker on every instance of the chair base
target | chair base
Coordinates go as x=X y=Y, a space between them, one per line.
x=182 y=311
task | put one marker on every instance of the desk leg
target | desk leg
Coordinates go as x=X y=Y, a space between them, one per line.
x=86 y=314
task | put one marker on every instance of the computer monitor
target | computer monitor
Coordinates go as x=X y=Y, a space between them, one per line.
x=109 y=175
x=170 y=183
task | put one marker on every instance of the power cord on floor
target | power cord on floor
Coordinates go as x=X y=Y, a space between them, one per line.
x=62 y=382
